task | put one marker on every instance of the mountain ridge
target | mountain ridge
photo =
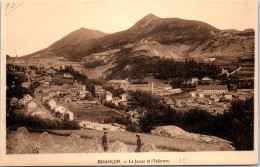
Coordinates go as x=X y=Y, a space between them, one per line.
x=152 y=36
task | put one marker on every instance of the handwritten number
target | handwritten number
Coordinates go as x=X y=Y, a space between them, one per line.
x=182 y=161
x=9 y=5
x=13 y=4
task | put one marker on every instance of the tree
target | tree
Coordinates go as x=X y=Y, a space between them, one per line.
x=153 y=112
x=92 y=90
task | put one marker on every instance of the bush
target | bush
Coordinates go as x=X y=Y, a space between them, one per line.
x=121 y=120
x=108 y=120
x=35 y=122
x=133 y=127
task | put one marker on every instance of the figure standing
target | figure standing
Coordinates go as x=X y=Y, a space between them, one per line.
x=139 y=142
x=104 y=141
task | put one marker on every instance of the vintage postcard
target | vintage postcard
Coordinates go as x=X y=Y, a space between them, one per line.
x=129 y=82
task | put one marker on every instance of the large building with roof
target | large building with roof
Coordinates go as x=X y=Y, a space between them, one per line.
x=212 y=89
x=118 y=83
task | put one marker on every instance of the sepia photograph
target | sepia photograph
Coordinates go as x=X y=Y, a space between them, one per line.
x=130 y=82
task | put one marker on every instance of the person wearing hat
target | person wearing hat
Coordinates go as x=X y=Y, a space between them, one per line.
x=104 y=141
x=139 y=142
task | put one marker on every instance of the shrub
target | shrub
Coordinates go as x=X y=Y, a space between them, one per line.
x=35 y=122
x=133 y=127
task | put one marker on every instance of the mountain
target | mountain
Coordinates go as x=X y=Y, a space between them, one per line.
x=80 y=43
x=66 y=45
x=151 y=36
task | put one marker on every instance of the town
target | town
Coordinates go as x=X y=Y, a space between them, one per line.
x=64 y=93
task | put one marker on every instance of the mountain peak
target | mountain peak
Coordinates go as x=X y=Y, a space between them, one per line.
x=149 y=17
x=145 y=21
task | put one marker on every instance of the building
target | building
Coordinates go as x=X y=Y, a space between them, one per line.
x=228 y=97
x=45 y=96
x=193 y=94
x=27 y=98
x=13 y=101
x=118 y=83
x=201 y=95
x=50 y=71
x=212 y=89
x=214 y=97
x=71 y=115
x=206 y=78
x=60 y=109
x=26 y=85
x=109 y=96
x=190 y=100
x=68 y=75
x=31 y=106
x=143 y=87
x=174 y=91
x=194 y=80
x=39 y=112
x=52 y=104
x=245 y=91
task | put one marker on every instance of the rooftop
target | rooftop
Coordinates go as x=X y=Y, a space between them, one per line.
x=211 y=87
x=117 y=81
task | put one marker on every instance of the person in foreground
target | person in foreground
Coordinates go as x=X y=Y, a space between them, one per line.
x=138 y=142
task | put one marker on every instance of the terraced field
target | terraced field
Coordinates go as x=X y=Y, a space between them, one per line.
x=96 y=113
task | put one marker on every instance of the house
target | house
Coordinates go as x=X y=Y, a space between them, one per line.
x=170 y=102
x=123 y=97
x=190 y=100
x=212 y=89
x=167 y=87
x=201 y=95
x=74 y=91
x=39 y=112
x=179 y=102
x=174 y=91
x=245 y=91
x=71 y=115
x=32 y=72
x=13 y=101
x=45 y=96
x=193 y=94
x=50 y=71
x=68 y=75
x=31 y=106
x=228 y=97
x=67 y=100
x=116 y=100
x=26 y=84
x=59 y=110
x=27 y=98
x=82 y=94
x=47 y=79
x=52 y=104
x=194 y=80
x=109 y=96
x=206 y=78
x=214 y=97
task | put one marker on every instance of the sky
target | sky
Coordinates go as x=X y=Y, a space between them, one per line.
x=31 y=25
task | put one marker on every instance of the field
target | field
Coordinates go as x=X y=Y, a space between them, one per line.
x=162 y=144
x=59 y=80
x=88 y=112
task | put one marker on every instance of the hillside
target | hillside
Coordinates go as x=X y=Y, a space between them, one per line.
x=171 y=38
x=58 y=141
x=67 y=45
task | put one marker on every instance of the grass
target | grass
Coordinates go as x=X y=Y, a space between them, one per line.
x=92 y=112
x=162 y=143
x=59 y=80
